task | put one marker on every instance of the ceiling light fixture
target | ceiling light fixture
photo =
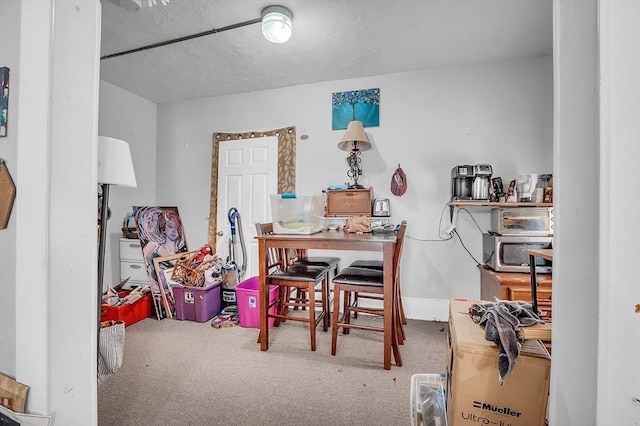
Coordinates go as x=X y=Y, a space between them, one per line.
x=276 y=27
x=277 y=24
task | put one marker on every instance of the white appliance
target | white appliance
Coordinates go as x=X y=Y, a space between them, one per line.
x=526 y=186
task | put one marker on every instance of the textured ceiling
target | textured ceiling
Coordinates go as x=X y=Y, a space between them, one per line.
x=332 y=40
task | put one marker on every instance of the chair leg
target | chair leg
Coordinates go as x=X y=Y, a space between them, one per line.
x=336 y=322
x=346 y=309
x=403 y=318
x=326 y=309
x=312 y=315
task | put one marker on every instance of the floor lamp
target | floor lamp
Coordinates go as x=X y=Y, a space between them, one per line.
x=115 y=167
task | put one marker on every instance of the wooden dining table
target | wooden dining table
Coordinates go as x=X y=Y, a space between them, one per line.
x=330 y=240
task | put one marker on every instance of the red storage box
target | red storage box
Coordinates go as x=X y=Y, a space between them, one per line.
x=129 y=313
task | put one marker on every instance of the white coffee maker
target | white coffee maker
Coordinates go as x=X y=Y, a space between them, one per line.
x=526 y=186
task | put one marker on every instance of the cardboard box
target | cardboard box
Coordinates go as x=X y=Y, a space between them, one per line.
x=13 y=394
x=474 y=394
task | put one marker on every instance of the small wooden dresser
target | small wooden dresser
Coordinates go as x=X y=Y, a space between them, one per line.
x=349 y=202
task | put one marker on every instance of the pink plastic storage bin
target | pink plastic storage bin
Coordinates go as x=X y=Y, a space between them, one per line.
x=197 y=303
x=248 y=301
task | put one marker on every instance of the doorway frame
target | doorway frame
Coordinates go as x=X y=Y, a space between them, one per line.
x=286 y=165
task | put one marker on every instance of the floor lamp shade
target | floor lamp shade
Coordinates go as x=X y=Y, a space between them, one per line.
x=115 y=166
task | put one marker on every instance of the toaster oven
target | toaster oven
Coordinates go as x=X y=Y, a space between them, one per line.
x=522 y=220
x=507 y=253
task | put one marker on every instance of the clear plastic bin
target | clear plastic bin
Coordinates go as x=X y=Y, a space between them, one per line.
x=297 y=214
x=428 y=404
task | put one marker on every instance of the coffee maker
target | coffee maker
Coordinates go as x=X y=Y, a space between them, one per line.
x=462 y=182
x=481 y=181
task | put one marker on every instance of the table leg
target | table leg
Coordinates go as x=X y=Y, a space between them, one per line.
x=534 y=283
x=388 y=302
x=263 y=294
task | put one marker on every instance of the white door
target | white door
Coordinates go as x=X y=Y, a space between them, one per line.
x=247 y=174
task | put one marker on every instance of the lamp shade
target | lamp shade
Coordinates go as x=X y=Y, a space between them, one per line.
x=115 y=166
x=277 y=24
x=354 y=138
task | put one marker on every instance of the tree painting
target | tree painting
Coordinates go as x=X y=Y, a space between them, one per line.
x=362 y=105
x=4 y=100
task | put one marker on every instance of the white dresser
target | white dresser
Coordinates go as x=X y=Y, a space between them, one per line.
x=132 y=263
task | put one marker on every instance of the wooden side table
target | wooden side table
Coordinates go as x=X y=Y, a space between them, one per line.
x=546 y=254
x=515 y=286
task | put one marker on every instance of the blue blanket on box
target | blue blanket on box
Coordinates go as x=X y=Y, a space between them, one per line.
x=500 y=320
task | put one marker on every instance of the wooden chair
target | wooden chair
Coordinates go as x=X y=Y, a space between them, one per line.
x=297 y=276
x=378 y=265
x=367 y=281
x=332 y=264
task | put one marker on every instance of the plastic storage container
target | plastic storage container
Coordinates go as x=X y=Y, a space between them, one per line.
x=197 y=303
x=247 y=297
x=129 y=313
x=297 y=214
x=428 y=405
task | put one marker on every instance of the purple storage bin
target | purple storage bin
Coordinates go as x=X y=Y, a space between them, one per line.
x=247 y=297
x=197 y=303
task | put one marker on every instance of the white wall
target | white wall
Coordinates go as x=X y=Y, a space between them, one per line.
x=132 y=119
x=576 y=196
x=9 y=57
x=48 y=285
x=619 y=237
x=430 y=121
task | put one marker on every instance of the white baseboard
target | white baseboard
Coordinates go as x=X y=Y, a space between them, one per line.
x=426 y=309
x=419 y=308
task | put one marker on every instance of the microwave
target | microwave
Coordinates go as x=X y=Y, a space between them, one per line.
x=522 y=220
x=506 y=253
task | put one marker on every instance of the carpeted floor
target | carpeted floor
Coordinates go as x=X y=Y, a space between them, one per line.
x=189 y=373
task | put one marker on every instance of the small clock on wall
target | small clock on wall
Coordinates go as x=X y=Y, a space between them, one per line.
x=7 y=194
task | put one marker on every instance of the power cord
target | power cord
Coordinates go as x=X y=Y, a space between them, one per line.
x=441 y=239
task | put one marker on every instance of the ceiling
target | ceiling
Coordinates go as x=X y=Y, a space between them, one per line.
x=332 y=40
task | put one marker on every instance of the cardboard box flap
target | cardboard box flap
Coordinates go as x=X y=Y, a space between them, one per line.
x=470 y=336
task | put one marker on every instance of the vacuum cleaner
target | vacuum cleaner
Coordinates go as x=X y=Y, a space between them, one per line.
x=233 y=271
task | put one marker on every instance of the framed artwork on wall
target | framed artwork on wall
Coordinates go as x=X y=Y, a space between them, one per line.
x=4 y=100
x=362 y=105
x=160 y=233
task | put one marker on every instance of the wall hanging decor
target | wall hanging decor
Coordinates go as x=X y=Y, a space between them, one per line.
x=161 y=234
x=7 y=194
x=4 y=100
x=361 y=105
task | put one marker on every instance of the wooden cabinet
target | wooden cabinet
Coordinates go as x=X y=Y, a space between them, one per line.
x=349 y=202
x=132 y=264
x=515 y=286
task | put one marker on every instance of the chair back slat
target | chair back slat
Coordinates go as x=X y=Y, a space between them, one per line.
x=398 y=250
x=274 y=255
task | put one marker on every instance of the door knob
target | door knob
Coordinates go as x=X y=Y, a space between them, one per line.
x=220 y=233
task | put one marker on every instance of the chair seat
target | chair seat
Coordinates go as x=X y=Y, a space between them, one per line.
x=369 y=264
x=298 y=272
x=321 y=261
x=360 y=276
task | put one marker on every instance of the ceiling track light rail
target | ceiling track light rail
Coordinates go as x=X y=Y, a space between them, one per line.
x=185 y=38
x=276 y=27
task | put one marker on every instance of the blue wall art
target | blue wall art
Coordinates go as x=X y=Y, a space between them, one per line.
x=4 y=100
x=362 y=105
